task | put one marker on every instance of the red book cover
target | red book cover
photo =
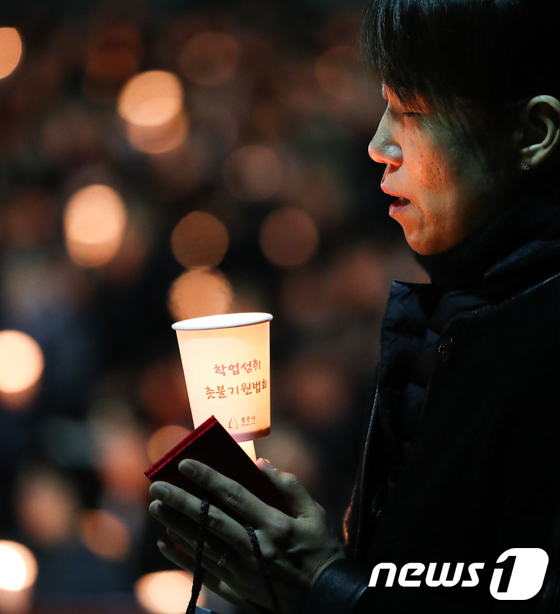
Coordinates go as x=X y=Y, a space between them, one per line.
x=212 y=445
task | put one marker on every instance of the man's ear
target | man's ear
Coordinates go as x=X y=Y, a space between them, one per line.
x=540 y=130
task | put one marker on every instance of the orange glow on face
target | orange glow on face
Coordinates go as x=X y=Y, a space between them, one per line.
x=11 y=49
x=105 y=535
x=289 y=237
x=18 y=566
x=152 y=98
x=165 y=592
x=198 y=293
x=164 y=439
x=210 y=58
x=253 y=173
x=199 y=239
x=94 y=222
x=337 y=72
x=21 y=362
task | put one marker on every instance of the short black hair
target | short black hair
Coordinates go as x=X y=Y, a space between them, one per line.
x=473 y=50
x=479 y=58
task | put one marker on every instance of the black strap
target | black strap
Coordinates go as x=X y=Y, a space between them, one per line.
x=262 y=566
x=198 y=575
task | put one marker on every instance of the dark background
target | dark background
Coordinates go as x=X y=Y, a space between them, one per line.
x=308 y=240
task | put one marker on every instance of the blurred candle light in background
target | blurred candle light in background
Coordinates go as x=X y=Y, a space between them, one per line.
x=199 y=239
x=46 y=507
x=105 y=534
x=11 y=49
x=21 y=367
x=289 y=237
x=151 y=104
x=163 y=393
x=113 y=58
x=18 y=571
x=166 y=592
x=164 y=439
x=210 y=58
x=151 y=98
x=120 y=452
x=337 y=73
x=94 y=222
x=253 y=173
x=18 y=567
x=160 y=138
x=198 y=293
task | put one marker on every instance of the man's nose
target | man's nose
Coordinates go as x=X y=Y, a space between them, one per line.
x=383 y=148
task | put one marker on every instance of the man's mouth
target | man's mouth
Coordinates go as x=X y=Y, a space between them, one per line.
x=398 y=206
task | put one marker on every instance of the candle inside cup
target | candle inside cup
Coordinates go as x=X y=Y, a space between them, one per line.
x=226 y=361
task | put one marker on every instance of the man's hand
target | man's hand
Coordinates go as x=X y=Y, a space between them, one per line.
x=296 y=548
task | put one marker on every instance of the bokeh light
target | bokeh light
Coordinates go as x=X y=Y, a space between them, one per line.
x=160 y=138
x=21 y=362
x=210 y=58
x=11 y=49
x=304 y=298
x=289 y=237
x=164 y=439
x=46 y=507
x=94 y=221
x=120 y=450
x=199 y=239
x=112 y=59
x=198 y=293
x=163 y=392
x=318 y=390
x=253 y=173
x=18 y=566
x=111 y=65
x=152 y=98
x=357 y=280
x=337 y=72
x=105 y=535
x=165 y=592
x=128 y=263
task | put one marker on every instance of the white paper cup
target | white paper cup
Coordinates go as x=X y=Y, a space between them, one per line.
x=226 y=361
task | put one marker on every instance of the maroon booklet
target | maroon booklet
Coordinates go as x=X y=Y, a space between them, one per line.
x=212 y=445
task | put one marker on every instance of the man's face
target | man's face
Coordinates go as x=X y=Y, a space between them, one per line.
x=444 y=187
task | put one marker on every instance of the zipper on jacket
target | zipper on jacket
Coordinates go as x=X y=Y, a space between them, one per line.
x=365 y=458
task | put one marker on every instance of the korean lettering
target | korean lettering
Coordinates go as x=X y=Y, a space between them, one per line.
x=247 y=366
x=221 y=391
x=246 y=388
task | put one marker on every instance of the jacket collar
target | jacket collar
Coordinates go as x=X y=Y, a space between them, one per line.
x=517 y=249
